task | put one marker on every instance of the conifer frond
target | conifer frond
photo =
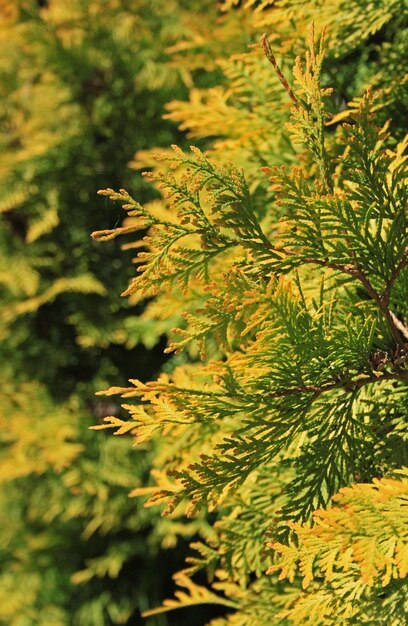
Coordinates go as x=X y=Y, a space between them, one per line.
x=27 y=450
x=81 y=284
x=195 y=594
x=363 y=535
x=213 y=212
x=300 y=323
x=42 y=225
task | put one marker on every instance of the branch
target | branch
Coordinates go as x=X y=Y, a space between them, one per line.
x=401 y=327
x=346 y=385
x=313 y=260
x=382 y=303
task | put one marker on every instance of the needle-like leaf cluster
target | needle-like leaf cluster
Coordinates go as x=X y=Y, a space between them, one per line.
x=289 y=382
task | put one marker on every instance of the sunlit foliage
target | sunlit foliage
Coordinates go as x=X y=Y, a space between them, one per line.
x=278 y=258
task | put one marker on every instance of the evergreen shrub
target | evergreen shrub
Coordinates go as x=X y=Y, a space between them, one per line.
x=281 y=253
x=82 y=87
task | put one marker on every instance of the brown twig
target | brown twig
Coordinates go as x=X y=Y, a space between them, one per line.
x=351 y=385
x=382 y=304
x=401 y=327
x=312 y=260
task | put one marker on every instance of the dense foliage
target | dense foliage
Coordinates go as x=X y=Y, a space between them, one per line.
x=277 y=264
x=82 y=86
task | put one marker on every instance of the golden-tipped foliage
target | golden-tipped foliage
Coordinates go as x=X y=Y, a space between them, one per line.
x=289 y=381
x=82 y=86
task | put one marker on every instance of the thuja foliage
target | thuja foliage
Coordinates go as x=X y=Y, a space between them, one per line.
x=82 y=86
x=282 y=415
